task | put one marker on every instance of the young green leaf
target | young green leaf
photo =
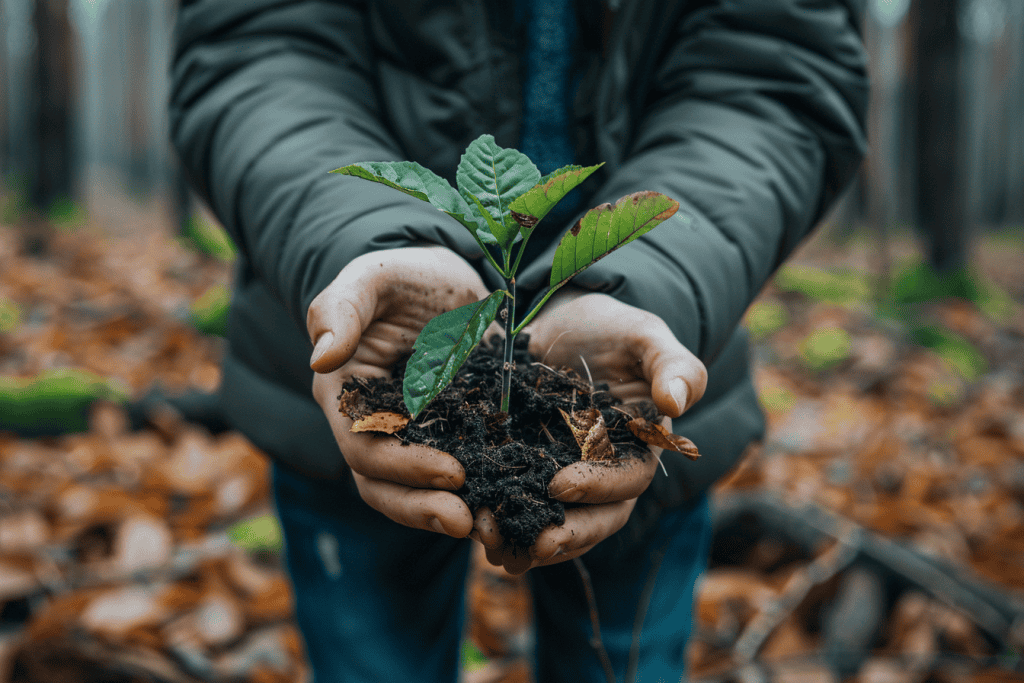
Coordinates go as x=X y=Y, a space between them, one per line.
x=442 y=347
x=499 y=231
x=496 y=176
x=530 y=207
x=605 y=228
x=419 y=182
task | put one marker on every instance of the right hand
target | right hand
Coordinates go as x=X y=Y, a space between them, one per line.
x=361 y=325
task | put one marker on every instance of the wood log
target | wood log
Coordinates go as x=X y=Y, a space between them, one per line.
x=994 y=609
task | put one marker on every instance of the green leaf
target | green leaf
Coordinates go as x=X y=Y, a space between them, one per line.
x=471 y=657
x=499 y=232
x=210 y=239
x=256 y=534
x=53 y=402
x=496 y=176
x=843 y=287
x=209 y=313
x=443 y=346
x=529 y=208
x=605 y=228
x=825 y=348
x=764 y=318
x=10 y=316
x=419 y=182
x=565 y=169
x=955 y=350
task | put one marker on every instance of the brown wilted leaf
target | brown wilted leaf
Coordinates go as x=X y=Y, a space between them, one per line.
x=588 y=427
x=653 y=434
x=23 y=531
x=351 y=404
x=384 y=421
x=117 y=611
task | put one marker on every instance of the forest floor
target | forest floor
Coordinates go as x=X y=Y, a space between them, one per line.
x=876 y=535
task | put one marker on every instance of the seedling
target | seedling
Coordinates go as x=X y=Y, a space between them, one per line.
x=501 y=199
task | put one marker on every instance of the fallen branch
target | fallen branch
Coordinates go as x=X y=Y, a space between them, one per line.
x=993 y=609
x=764 y=623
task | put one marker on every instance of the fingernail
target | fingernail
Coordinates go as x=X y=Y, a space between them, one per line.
x=443 y=483
x=571 y=495
x=436 y=525
x=322 y=344
x=677 y=389
x=558 y=551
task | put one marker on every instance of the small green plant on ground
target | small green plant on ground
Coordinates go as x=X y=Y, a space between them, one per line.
x=258 y=534
x=209 y=313
x=209 y=238
x=53 y=402
x=501 y=199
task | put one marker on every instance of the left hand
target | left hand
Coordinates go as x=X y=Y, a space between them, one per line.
x=635 y=352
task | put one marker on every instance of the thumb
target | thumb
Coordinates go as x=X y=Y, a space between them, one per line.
x=335 y=321
x=677 y=377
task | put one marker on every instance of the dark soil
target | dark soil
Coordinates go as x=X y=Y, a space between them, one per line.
x=508 y=462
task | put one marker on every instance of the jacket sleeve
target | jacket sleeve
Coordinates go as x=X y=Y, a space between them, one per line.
x=754 y=122
x=267 y=97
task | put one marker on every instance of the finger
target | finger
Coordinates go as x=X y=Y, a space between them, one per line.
x=438 y=511
x=677 y=377
x=493 y=556
x=381 y=456
x=485 y=529
x=594 y=482
x=516 y=560
x=336 y=319
x=584 y=527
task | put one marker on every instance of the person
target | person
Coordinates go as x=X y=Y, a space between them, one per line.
x=750 y=113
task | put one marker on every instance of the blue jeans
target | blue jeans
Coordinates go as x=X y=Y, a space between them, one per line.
x=377 y=601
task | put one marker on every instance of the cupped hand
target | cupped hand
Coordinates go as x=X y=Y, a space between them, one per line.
x=635 y=352
x=361 y=325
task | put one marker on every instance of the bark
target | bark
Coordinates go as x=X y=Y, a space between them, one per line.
x=51 y=106
x=940 y=196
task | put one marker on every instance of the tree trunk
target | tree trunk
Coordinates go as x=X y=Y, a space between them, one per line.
x=940 y=196
x=51 y=107
x=5 y=123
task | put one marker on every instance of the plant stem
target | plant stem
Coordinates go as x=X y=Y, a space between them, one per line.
x=519 y=256
x=535 y=310
x=510 y=336
x=487 y=253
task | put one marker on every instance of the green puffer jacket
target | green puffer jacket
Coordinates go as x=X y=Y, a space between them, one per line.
x=749 y=112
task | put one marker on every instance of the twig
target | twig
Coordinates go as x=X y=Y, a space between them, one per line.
x=553 y=344
x=548 y=368
x=596 y=642
x=641 y=613
x=823 y=568
x=504 y=467
x=586 y=367
x=993 y=609
x=544 y=428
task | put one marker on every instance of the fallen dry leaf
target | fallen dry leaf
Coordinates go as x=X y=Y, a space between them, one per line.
x=118 y=611
x=653 y=434
x=384 y=421
x=142 y=542
x=23 y=531
x=589 y=430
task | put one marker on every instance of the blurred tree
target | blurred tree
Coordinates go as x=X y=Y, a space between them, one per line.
x=940 y=197
x=50 y=103
x=5 y=75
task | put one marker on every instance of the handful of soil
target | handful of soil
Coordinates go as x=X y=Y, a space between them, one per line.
x=557 y=418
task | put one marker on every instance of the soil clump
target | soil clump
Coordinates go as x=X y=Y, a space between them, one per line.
x=509 y=460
